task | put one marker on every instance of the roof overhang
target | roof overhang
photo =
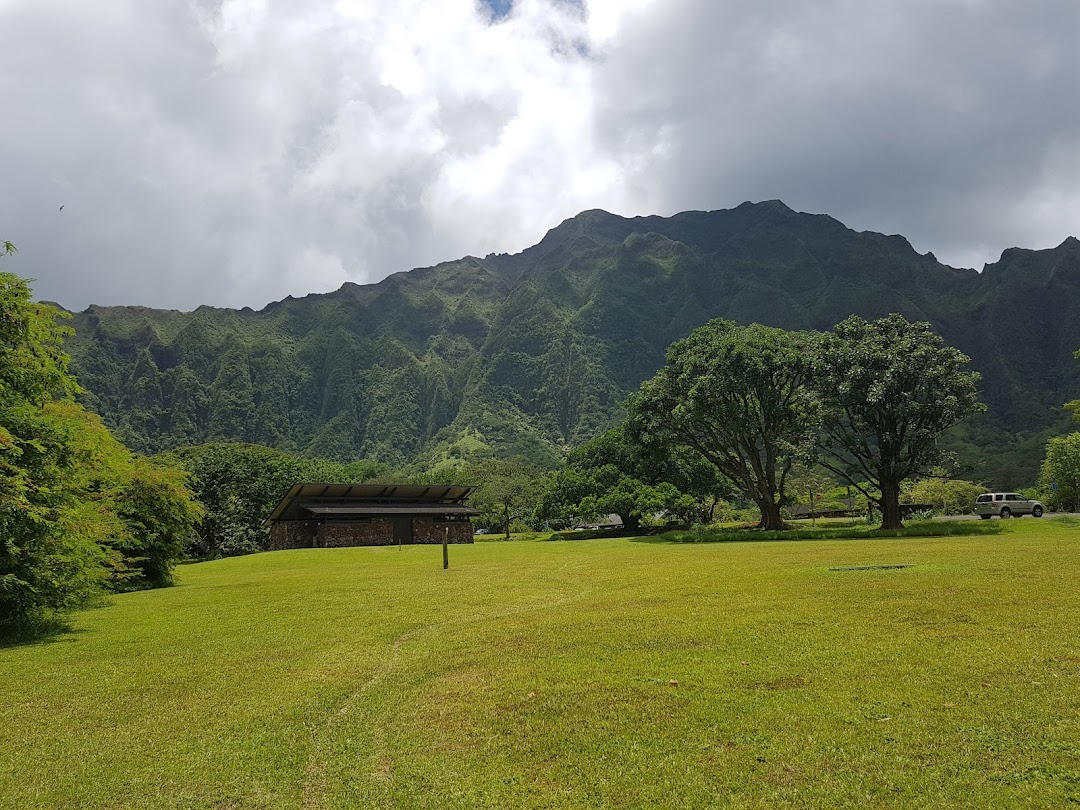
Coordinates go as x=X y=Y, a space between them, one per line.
x=297 y=502
x=404 y=509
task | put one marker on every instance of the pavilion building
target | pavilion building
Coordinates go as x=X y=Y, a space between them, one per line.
x=333 y=515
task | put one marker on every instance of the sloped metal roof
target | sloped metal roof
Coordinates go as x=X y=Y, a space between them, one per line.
x=297 y=503
x=400 y=509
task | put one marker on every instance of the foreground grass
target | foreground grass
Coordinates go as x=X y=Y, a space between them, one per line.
x=607 y=673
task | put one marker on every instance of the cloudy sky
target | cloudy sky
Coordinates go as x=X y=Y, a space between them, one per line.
x=233 y=152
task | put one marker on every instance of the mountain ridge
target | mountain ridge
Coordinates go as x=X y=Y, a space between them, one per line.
x=533 y=352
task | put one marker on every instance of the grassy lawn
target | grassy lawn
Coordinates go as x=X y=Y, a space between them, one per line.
x=602 y=673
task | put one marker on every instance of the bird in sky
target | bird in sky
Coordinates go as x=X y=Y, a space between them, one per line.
x=61 y=208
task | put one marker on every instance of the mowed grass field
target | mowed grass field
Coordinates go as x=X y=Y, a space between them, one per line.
x=605 y=673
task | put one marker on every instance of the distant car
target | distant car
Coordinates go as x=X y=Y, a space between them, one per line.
x=1005 y=505
x=482 y=531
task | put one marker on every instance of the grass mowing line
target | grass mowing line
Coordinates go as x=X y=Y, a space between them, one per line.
x=315 y=773
x=874 y=567
x=525 y=608
x=593 y=737
x=314 y=784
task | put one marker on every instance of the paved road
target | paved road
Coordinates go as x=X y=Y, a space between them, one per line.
x=1050 y=515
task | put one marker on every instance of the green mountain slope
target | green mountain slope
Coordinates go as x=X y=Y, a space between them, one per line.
x=530 y=353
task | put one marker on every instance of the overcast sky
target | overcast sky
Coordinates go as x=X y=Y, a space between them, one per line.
x=233 y=152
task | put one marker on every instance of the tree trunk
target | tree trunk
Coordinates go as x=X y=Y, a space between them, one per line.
x=770 y=515
x=890 y=505
x=506 y=520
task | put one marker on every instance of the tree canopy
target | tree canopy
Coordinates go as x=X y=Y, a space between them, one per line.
x=43 y=567
x=738 y=395
x=889 y=388
x=239 y=484
x=617 y=474
x=1060 y=479
x=506 y=490
x=78 y=512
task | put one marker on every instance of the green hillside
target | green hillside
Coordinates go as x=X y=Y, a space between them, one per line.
x=601 y=674
x=525 y=355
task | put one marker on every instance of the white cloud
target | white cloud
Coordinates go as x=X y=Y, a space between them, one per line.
x=239 y=151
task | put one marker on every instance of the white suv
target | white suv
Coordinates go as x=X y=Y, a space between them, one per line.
x=1006 y=504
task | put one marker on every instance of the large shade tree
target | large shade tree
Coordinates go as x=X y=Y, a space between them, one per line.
x=889 y=389
x=738 y=395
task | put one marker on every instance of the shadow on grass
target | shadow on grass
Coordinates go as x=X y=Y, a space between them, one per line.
x=643 y=532
x=53 y=630
x=703 y=534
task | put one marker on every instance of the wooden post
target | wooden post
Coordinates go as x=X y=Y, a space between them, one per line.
x=445 y=551
x=813 y=514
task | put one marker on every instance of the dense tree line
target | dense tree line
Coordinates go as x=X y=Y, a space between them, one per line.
x=740 y=409
x=745 y=412
x=239 y=484
x=868 y=401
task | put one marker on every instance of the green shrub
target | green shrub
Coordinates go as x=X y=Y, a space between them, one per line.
x=946 y=496
x=828 y=531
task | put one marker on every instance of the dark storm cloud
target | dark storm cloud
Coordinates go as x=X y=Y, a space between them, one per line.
x=233 y=152
x=954 y=123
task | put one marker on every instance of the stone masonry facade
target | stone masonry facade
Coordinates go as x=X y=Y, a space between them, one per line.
x=430 y=530
x=373 y=532
x=377 y=532
x=292 y=534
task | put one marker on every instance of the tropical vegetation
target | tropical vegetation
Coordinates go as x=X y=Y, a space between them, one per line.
x=526 y=356
x=616 y=473
x=238 y=486
x=739 y=396
x=889 y=390
x=1060 y=481
x=79 y=513
x=555 y=391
